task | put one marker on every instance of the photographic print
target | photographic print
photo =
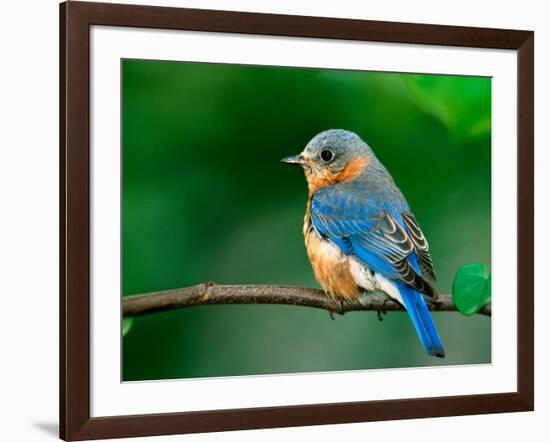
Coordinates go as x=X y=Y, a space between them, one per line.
x=372 y=190
x=276 y=220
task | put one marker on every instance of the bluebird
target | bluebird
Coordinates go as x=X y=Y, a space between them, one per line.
x=360 y=233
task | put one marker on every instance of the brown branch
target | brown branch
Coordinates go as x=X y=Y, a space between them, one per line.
x=210 y=294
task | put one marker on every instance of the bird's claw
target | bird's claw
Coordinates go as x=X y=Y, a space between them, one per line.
x=381 y=311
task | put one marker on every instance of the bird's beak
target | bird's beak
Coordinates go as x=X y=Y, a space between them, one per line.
x=295 y=159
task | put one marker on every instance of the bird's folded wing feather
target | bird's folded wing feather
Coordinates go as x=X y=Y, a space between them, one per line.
x=421 y=246
x=378 y=239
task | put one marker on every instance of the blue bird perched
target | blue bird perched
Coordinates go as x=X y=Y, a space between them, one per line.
x=360 y=233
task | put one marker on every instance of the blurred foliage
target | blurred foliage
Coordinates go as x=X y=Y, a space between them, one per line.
x=461 y=104
x=471 y=288
x=205 y=198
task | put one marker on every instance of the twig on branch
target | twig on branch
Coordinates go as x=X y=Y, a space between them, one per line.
x=210 y=294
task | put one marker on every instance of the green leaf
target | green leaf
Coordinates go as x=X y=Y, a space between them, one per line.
x=471 y=288
x=462 y=105
x=127 y=324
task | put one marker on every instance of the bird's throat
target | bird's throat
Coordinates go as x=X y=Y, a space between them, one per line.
x=317 y=179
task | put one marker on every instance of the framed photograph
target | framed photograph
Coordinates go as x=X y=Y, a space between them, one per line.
x=272 y=220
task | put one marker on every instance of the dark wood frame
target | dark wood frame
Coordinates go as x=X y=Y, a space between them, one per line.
x=75 y=21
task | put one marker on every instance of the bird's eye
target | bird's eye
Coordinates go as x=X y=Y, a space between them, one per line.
x=326 y=155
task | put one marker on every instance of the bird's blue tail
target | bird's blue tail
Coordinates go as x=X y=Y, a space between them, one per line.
x=422 y=320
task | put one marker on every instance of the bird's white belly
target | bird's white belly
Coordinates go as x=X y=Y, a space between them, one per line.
x=341 y=274
x=362 y=275
x=371 y=281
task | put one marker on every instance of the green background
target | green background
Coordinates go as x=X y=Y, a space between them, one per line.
x=205 y=198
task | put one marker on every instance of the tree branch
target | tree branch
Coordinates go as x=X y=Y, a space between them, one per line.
x=210 y=294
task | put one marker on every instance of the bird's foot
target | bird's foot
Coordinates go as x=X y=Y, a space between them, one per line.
x=374 y=301
x=339 y=307
x=381 y=310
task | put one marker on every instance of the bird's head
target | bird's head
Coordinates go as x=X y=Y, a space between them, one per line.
x=332 y=157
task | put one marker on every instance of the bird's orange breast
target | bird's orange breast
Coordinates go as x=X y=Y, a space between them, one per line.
x=332 y=268
x=327 y=178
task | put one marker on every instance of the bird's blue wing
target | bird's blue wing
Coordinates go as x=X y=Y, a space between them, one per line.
x=378 y=235
x=370 y=232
